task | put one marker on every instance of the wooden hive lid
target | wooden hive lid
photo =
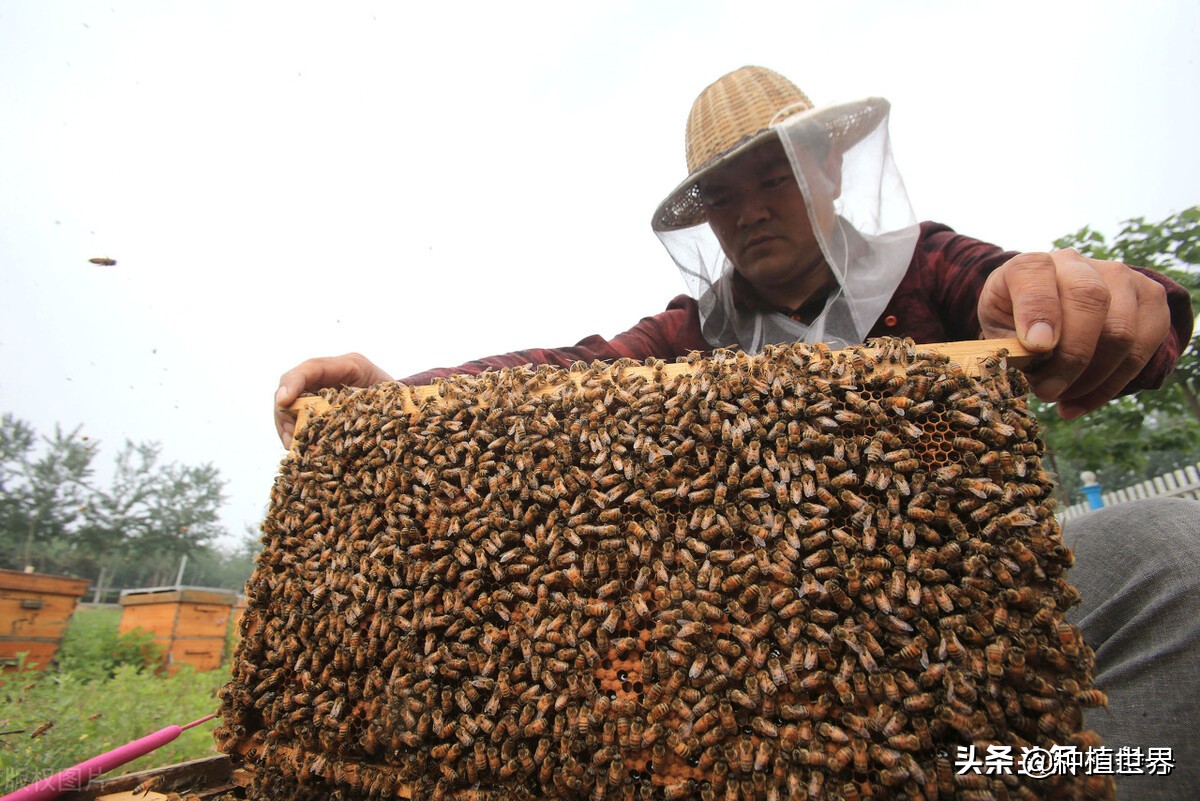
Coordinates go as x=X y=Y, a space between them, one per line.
x=185 y=595
x=42 y=583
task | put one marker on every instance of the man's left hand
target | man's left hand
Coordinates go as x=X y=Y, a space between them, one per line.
x=1099 y=322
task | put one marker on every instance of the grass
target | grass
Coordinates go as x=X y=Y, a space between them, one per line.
x=104 y=693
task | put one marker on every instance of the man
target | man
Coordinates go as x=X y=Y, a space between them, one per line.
x=793 y=225
x=821 y=246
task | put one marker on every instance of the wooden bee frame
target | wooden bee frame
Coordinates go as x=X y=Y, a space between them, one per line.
x=798 y=574
x=973 y=356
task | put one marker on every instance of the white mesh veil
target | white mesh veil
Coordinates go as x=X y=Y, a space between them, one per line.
x=841 y=157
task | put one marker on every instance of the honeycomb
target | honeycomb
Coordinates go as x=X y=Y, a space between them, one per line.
x=797 y=575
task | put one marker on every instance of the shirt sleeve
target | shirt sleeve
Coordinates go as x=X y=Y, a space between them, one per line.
x=960 y=266
x=667 y=335
x=1179 y=301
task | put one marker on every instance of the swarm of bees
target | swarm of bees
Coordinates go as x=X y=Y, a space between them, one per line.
x=797 y=575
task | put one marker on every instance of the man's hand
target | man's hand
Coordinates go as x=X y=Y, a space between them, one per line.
x=1099 y=322
x=351 y=370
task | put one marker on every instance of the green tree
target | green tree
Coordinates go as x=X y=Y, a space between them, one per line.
x=17 y=439
x=227 y=567
x=183 y=518
x=1137 y=436
x=117 y=514
x=153 y=514
x=131 y=533
x=45 y=493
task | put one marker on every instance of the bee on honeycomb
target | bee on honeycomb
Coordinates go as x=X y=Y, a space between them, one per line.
x=800 y=574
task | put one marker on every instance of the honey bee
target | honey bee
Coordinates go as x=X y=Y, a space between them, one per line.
x=904 y=742
x=995 y=361
x=1092 y=697
x=849 y=418
x=679 y=790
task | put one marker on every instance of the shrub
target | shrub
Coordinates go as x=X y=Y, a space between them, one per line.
x=92 y=649
x=105 y=692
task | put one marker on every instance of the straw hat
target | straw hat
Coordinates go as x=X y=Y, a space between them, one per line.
x=736 y=113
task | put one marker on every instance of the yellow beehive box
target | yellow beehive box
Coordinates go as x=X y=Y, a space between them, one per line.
x=35 y=609
x=191 y=624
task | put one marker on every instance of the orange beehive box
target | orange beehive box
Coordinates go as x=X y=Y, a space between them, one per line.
x=190 y=623
x=35 y=609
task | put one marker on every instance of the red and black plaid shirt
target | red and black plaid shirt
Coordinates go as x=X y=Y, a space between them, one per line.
x=935 y=302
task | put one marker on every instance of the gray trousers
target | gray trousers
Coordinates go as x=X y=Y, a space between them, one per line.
x=1137 y=566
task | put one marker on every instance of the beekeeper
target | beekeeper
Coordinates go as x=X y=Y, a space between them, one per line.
x=793 y=225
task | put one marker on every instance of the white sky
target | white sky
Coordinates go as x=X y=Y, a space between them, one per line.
x=429 y=183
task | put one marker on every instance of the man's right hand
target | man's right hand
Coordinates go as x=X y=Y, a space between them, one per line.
x=1098 y=321
x=350 y=370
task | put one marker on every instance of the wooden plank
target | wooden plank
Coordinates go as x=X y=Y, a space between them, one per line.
x=196 y=776
x=195 y=595
x=203 y=653
x=970 y=355
x=203 y=620
x=155 y=618
x=42 y=583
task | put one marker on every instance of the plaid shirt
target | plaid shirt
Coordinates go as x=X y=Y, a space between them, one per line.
x=935 y=302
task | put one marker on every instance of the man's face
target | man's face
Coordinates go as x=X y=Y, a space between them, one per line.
x=758 y=214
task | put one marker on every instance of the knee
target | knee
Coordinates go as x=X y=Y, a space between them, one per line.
x=1159 y=530
x=1142 y=552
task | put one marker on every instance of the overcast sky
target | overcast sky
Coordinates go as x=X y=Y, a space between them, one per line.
x=429 y=183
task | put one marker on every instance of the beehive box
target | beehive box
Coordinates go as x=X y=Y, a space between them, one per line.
x=35 y=609
x=191 y=624
x=794 y=575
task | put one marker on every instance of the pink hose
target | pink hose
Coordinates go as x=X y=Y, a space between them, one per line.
x=77 y=776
